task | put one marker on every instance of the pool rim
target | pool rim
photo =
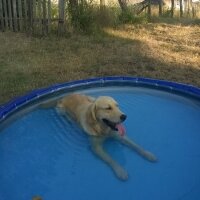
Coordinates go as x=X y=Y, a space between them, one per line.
x=7 y=108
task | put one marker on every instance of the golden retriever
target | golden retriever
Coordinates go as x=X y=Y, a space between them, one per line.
x=101 y=118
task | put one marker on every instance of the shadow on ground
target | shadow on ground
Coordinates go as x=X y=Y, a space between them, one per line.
x=158 y=51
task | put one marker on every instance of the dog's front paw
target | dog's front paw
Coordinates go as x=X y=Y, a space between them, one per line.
x=120 y=173
x=150 y=157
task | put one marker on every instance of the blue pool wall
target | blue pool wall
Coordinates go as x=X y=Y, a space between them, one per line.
x=15 y=104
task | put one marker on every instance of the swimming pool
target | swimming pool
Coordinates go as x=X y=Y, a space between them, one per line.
x=42 y=153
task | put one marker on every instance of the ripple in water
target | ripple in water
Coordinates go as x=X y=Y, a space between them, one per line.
x=43 y=153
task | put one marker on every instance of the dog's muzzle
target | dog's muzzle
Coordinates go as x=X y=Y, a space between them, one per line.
x=113 y=125
x=123 y=117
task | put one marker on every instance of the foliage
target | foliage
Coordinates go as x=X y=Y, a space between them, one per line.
x=128 y=17
x=89 y=18
x=82 y=17
x=167 y=13
x=54 y=10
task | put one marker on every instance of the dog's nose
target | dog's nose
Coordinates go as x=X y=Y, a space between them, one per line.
x=123 y=117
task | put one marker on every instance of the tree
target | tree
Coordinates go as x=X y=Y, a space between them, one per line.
x=149 y=8
x=102 y=4
x=61 y=28
x=160 y=7
x=172 y=8
x=123 y=4
x=181 y=8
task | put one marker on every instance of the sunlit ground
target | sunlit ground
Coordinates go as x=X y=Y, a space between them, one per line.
x=156 y=50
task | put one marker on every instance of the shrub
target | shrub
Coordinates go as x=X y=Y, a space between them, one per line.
x=128 y=17
x=82 y=18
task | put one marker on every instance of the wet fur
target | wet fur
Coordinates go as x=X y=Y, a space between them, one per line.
x=89 y=113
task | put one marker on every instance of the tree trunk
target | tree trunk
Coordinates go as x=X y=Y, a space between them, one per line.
x=188 y=7
x=172 y=8
x=181 y=8
x=123 y=4
x=61 y=23
x=160 y=7
x=193 y=10
x=149 y=8
x=102 y=4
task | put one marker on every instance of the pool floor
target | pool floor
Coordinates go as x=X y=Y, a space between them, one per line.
x=44 y=154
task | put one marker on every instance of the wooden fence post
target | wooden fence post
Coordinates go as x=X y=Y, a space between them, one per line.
x=15 y=15
x=49 y=17
x=34 y=16
x=5 y=14
x=25 y=16
x=30 y=16
x=44 y=29
x=10 y=15
x=40 y=16
x=20 y=15
x=1 y=16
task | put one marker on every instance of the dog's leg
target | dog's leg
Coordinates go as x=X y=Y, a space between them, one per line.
x=97 y=147
x=131 y=144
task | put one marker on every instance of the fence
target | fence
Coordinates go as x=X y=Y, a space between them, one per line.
x=32 y=16
x=44 y=16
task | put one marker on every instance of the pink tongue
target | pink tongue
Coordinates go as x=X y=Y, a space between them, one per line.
x=121 y=129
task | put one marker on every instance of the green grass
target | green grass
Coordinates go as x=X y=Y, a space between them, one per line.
x=156 y=50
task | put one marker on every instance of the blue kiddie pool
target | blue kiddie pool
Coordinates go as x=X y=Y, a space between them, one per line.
x=42 y=154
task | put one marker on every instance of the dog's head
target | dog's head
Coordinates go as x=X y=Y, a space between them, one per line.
x=106 y=110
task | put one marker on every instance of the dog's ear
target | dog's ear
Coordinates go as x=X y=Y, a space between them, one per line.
x=93 y=110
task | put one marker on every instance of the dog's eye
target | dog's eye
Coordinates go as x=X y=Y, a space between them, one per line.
x=109 y=108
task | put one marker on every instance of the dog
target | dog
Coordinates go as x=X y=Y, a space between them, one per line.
x=101 y=118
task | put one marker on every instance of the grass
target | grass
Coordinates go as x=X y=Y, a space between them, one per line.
x=157 y=50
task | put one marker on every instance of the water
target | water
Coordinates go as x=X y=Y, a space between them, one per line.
x=41 y=153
